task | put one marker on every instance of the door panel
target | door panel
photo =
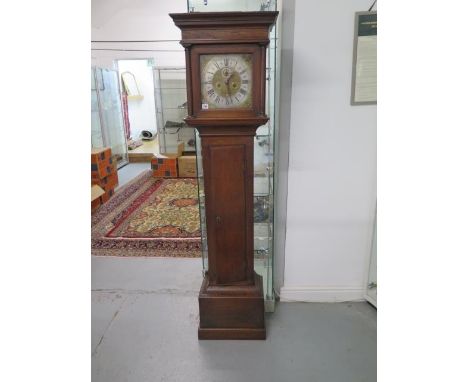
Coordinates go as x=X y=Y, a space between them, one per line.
x=227 y=189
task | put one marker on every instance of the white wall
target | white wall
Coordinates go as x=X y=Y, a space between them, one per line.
x=142 y=113
x=136 y=20
x=332 y=160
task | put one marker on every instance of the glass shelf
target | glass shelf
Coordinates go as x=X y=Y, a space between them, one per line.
x=175 y=108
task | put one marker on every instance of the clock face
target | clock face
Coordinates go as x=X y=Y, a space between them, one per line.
x=226 y=81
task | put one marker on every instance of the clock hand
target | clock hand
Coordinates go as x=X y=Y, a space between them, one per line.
x=227 y=85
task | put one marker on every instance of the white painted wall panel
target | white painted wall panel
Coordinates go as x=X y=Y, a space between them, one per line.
x=332 y=160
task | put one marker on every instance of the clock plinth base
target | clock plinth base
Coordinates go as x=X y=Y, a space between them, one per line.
x=232 y=312
x=231 y=334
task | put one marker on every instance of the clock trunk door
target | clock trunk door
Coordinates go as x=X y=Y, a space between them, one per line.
x=226 y=162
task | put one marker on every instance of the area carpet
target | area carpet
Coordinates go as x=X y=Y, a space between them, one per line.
x=149 y=217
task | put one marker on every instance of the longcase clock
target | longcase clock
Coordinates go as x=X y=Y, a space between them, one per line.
x=225 y=59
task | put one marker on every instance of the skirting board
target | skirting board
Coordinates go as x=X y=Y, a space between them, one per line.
x=370 y=300
x=321 y=294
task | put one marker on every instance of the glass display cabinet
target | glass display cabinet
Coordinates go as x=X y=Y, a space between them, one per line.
x=107 y=128
x=170 y=95
x=264 y=156
x=230 y=5
x=96 y=131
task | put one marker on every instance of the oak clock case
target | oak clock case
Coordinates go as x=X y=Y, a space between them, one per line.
x=226 y=64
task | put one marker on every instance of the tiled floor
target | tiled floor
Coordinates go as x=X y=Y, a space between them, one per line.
x=144 y=328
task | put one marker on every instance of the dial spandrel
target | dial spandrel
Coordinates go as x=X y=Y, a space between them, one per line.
x=226 y=81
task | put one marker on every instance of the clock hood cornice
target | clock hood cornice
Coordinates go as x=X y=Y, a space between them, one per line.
x=255 y=27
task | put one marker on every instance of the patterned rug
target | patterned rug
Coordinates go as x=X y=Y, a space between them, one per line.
x=149 y=217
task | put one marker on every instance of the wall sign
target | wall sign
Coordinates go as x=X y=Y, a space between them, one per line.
x=364 y=85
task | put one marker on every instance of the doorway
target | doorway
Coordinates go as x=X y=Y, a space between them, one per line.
x=137 y=81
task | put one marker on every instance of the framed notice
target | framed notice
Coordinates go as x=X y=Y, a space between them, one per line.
x=364 y=84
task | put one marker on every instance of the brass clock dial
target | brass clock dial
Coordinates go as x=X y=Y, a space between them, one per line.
x=226 y=81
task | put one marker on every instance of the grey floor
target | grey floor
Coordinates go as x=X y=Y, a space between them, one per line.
x=144 y=328
x=129 y=171
x=145 y=319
